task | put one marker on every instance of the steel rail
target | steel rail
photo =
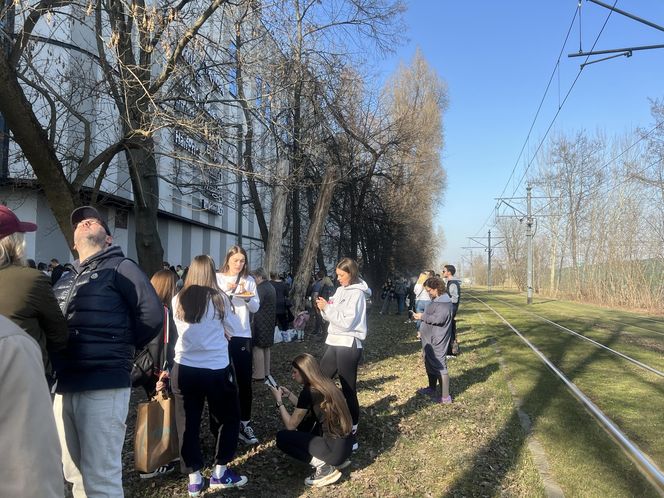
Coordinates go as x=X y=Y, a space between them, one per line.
x=598 y=344
x=648 y=468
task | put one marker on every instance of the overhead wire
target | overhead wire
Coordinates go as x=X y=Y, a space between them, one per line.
x=560 y=107
x=539 y=108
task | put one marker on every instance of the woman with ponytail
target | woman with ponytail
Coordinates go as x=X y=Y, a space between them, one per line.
x=319 y=429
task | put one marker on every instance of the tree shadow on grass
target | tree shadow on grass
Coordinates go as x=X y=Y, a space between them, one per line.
x=495 y=459
x=382 y=422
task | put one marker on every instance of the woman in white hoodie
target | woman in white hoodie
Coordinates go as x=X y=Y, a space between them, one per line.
x=346 y=312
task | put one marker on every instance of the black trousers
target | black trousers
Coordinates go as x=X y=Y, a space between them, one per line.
x=239 y=349
x=304 y=445
x=343 y=361
x=192 y=387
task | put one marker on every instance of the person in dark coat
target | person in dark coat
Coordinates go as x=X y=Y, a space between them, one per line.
x=56 y=271
x=26 y=297
x=111 y=309
x=281 y=289
x=262 y=324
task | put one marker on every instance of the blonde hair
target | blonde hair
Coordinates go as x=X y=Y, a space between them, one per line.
x=424 y=275
x=12 y=248
x=338 y=421
x=199 y=289
x=164 y=283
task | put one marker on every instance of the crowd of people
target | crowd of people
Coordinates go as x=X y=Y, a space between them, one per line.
x=89 y=323
x=207 y=332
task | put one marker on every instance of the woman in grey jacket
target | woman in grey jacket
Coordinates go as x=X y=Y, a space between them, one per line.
x=346 y=312
x=435 y=334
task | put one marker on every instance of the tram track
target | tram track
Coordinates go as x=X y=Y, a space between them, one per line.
x=581 y=336
x=644 y=463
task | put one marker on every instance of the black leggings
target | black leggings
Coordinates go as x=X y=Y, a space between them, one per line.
x=304 y=445
x=239 y=349
x=344 y=361
x=191 y=387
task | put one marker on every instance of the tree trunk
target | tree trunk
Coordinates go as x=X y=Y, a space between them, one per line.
x=145 y=186
x=33 y=141
x=295 y=231
x=301 y=280
x=277 y=216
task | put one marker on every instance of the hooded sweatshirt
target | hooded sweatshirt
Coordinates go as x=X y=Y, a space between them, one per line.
x=347 y=314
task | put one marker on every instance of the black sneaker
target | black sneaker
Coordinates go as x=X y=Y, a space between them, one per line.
x=324 y=475
x=160 y=471
x=247 y=435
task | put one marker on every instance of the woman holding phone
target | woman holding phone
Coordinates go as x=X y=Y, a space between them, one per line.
x=318 y=431
x=346 y=312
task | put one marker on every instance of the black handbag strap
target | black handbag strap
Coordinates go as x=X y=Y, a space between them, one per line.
x=167 y=333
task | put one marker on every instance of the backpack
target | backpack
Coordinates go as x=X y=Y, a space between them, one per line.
x=301 y=320
x=400 y=288
x=458 y=288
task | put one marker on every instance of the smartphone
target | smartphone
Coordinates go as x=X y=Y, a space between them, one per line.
x=269 y=381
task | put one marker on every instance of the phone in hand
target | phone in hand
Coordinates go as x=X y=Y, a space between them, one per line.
x=270 y=382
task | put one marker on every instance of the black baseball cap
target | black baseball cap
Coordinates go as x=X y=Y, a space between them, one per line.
x=85 y=212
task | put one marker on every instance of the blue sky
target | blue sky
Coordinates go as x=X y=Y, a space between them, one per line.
x=497 y=58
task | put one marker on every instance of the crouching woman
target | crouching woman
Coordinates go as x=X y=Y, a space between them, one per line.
x=319 y=429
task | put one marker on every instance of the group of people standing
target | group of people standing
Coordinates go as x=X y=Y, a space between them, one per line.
x=103 y=309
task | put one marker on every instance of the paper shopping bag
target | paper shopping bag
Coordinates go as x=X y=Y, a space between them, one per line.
x=156 y=437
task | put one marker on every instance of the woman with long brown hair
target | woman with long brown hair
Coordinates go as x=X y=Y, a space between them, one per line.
x=234 y=278
x=346 y=312
x=202 y=371
x=319 y=429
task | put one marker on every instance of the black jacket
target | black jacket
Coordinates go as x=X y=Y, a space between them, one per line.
x=111 y=308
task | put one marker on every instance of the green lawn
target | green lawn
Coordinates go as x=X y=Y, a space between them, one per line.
x=474 y=447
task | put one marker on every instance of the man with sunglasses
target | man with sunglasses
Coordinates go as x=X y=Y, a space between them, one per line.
x=454 y=291
x=111 y=310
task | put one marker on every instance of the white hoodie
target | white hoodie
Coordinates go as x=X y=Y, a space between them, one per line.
x=347 y=314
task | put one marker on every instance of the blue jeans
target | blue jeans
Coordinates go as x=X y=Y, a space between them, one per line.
x=91 y=427
x=420 y=307
x=401 y=303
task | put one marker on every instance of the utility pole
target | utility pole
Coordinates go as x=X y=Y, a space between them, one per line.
x=529 y=239
x=488 y=267
x=529 y=219
x=489 y=249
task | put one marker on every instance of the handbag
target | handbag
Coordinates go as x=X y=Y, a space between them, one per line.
x=155 y=437
x=146 y=368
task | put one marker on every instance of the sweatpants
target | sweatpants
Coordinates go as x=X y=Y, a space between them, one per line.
x=191 y=387
x=304 y=445
x=344 y=361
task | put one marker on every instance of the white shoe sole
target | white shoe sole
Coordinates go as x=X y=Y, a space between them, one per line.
x=248 y=441
x=331 y=479
x=229 y=486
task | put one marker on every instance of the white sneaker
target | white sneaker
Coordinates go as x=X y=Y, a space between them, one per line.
x=247 y=435
x=324 y=475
